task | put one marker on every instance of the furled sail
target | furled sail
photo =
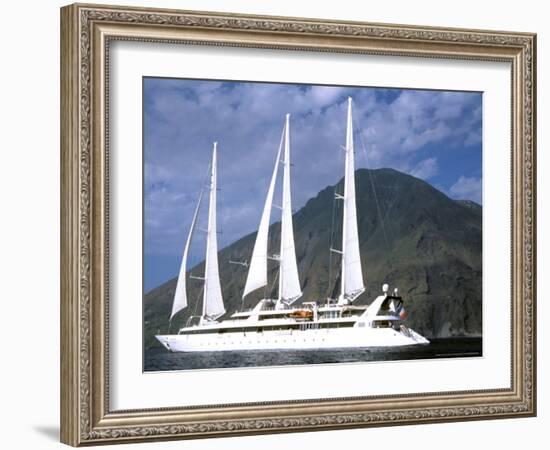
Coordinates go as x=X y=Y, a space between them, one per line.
x=352 y=277
x=212 y=298
x=180 y=297
x=257 y=273
x=289 y=283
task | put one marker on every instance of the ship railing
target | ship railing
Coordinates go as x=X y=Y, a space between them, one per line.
x=288 y=308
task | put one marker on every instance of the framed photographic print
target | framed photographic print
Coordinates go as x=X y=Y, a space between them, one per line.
x=276 y=224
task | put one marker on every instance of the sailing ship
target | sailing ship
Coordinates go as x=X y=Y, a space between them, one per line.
x=277 y=323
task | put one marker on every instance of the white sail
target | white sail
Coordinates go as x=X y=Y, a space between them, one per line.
x=257 y=273
x=289 y=283
x=212 y=298
x=352 y=277
x=180 y=297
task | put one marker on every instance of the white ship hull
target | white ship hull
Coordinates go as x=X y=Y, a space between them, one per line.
x=292 y=340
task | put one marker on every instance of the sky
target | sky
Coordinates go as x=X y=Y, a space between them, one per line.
x=432 y=135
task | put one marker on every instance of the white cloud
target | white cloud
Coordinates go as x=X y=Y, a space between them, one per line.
x=467 y=188
x=325 y=95
x=473 y=138
x=425 y=169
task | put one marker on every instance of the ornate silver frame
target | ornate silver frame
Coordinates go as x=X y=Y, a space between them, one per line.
x=86 y=31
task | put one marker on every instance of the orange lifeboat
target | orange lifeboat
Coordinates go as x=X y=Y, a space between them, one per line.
x=302 y=314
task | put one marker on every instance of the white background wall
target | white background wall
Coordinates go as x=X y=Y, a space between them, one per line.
x=29 y=221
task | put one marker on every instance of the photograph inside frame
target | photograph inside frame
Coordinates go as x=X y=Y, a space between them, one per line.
x=292 y=224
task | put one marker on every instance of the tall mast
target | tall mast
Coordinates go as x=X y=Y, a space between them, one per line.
x=212 y=306
x=352 y=277
x=289 y=283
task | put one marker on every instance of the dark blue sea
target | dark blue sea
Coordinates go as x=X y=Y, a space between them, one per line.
x=160 y=359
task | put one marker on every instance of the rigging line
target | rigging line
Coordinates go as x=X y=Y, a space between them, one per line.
x=267 y=289
x=335 y=209
x=266 y=293
x=335 y=203
x=206 y=175
x=270 y=244
x=204 y=186
x=331 y=239
x=200 y=293
x=386 y=216
x=280 y=247
x=221 y=217
x=274 y=282
x=281 y=176
x=371 y=178
x=392 y=202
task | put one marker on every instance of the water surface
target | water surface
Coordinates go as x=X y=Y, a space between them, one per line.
x=160 y=359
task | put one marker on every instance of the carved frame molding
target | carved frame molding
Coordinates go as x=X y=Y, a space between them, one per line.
x=86 y=31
